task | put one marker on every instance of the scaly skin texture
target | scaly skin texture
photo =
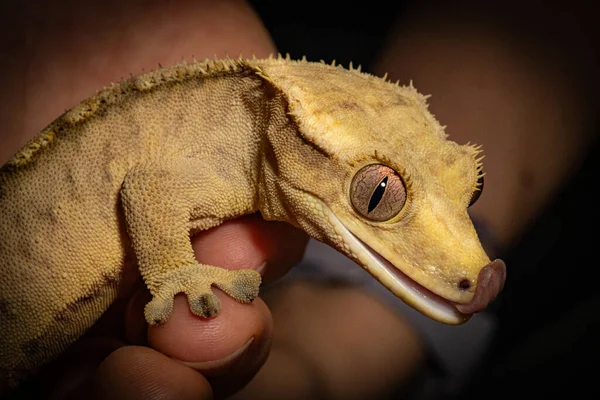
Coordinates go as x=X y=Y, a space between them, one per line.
x=135 y=169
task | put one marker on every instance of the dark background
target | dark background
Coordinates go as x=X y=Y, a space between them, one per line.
x=547 y=342
x=549 y=313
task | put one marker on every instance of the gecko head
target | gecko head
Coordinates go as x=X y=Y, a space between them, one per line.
x=418 y=242
x=370 y=171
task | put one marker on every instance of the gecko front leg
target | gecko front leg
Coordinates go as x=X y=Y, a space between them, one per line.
x=159 y=200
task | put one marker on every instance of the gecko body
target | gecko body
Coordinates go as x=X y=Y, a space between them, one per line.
x=356 y=161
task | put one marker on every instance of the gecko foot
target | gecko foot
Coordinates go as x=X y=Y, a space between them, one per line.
x=195 y=281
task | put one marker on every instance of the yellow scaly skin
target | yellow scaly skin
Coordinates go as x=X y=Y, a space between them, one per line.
x=142 y=164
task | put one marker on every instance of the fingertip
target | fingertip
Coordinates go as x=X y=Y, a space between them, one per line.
x=231 y=347
x=228 y=349
x=212 y=341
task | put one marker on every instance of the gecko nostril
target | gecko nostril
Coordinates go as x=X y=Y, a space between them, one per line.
x=464 y=284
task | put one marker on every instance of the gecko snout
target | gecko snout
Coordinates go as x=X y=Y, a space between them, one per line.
x=489 y=284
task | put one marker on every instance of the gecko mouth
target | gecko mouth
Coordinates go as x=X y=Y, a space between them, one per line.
x=410 y=291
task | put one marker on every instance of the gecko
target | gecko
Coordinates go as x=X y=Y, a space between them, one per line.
x=355 y=160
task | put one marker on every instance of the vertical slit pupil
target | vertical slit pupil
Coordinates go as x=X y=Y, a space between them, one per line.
x=377 y=194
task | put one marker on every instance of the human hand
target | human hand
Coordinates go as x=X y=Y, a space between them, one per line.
x=187 y=357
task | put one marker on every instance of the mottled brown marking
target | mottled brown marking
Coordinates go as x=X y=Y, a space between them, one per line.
x=70 y=179
x=73 y=309
x=49 y=214
x=350 y=105
x=401 y=101
x=98 y=104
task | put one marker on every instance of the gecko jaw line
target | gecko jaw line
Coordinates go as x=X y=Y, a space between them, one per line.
x=410 y=291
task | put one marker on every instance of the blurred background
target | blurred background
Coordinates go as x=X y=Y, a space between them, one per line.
x=518 y=77
x=522 y=79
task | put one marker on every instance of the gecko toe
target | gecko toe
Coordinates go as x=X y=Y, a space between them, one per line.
x=205 y=305
x=243 y=286
x=158 y=310
x=195 y=281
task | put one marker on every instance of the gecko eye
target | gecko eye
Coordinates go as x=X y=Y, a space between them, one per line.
x=477 y=191
x=377 y=192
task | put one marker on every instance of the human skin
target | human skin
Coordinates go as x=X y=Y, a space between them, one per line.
x=59 y=52
x=56 y=53
x=62 y=52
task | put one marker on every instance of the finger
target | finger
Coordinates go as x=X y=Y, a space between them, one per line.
x=228 y=348
x=243 y=243
x=250 y=241
x=133 y=372
x=233 y=245
x=231 y=347
x=246 y=242
x=75 y=367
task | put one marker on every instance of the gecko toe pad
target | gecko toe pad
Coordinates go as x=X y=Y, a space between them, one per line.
x=205 y=305
x=158 y=310
x=243 y=285
x=195 y=280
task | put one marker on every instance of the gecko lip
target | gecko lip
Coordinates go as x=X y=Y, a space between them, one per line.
x=410 y=291
x=411 y=283
x=490 y=283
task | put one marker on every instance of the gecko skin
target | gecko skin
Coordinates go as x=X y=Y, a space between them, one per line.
x=354 y=160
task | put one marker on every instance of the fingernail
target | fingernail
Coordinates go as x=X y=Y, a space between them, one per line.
x=203 y=366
